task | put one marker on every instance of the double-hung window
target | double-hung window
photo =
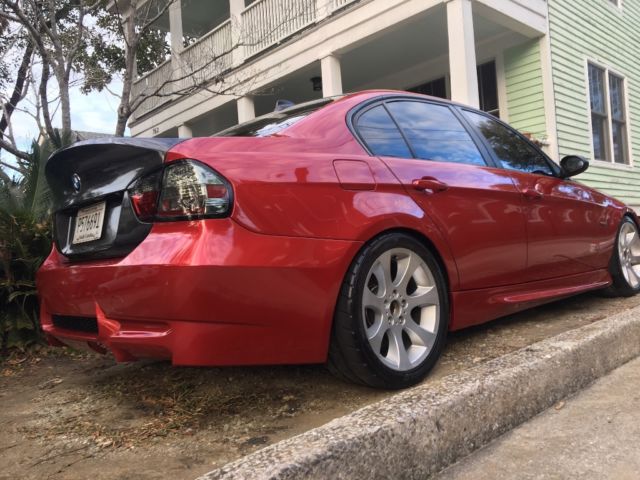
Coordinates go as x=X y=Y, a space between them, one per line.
x=608 y=115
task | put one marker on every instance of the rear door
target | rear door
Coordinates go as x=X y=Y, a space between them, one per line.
x=567 y=222
x=475 y=205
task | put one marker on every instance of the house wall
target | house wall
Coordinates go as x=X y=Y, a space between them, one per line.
x=525 y=93
x=598 y=31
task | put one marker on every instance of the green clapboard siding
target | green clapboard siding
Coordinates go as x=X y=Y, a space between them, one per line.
x=596 y=30
x=525 y=95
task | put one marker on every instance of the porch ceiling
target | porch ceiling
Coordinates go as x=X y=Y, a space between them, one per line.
x=402 y=47
x=296 y=87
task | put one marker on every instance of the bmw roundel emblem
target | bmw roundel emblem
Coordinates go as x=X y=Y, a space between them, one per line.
x=76 y=182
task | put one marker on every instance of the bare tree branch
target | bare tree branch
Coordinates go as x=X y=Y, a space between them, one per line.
x=13 y=150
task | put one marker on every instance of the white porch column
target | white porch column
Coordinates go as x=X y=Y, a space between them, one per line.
x=331 y=76
x=177 y=45
x=462 y=53
x=246 y=109
x=235 y=11
x=184 y=131
x=175 y=24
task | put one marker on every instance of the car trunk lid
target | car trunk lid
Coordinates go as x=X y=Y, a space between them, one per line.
x=96 y=172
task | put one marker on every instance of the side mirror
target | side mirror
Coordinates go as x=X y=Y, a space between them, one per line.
x=573 y=165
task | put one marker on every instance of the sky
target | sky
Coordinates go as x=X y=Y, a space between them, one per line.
x=95 y=112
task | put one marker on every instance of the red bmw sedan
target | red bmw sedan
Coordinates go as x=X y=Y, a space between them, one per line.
x=353 y=231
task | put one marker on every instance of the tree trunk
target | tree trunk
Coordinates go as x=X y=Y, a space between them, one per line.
x=65 y=103
x=16 y=95
x=44 y=100
x=124 y=109
x=132 y=40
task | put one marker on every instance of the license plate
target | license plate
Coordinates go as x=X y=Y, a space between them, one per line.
x=89 y=223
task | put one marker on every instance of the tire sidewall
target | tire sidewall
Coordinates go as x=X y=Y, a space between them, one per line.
x=620 y=283
x=389 y=375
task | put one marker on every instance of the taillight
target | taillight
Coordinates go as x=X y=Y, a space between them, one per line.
x=183 y=190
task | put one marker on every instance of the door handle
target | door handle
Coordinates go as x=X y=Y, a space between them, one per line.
x=531 y=194
x=429 y=183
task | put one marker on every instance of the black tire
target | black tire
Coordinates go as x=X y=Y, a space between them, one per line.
x=351 y=356
x=620 y=287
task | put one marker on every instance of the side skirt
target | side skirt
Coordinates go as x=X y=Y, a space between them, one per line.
x=472 y=307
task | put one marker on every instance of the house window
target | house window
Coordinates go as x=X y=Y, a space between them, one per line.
x=488 y=88
x=434 y=88
x=608 y=115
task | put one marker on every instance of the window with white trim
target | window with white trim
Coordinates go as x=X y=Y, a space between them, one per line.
x=608 y=115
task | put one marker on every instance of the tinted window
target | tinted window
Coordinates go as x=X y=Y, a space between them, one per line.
x=512 y=151
x=434 y=132
x=381 y=134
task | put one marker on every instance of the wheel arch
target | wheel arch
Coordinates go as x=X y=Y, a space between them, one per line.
x=427 y=242
x=632 y=215
x=419 y=236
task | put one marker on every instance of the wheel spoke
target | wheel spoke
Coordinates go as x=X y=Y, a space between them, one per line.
x=419 y=335
x=406 y=268
x=382 y=271
x=423 y=297
x=634 y=276
x=375 y=334
x=397 y=353
x=371 y=300
x=629 y=238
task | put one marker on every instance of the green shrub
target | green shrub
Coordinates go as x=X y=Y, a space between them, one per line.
x=25 y=241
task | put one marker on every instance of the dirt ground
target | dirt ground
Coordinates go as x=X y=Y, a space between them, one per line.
x=75 y=416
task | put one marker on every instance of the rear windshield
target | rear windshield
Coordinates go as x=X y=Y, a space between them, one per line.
x=275 y=122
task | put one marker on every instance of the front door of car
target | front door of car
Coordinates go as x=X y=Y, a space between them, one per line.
x=474 y=205
x=565 y=220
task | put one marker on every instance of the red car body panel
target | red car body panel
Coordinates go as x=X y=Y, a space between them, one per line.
x=260 y=287
x=481 y=197
x=205 y=292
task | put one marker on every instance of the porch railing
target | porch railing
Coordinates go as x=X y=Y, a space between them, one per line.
x=154 y=84
x=261 y=25
x=267 y=22
x=208 y=57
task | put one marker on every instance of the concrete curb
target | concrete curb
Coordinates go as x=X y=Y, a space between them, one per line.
x=418 y=432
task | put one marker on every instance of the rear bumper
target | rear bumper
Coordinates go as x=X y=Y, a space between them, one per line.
x=203 y=293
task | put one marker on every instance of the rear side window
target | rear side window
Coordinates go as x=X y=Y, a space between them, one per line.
x=380 y=133
x=512 y=151
x=434 y=133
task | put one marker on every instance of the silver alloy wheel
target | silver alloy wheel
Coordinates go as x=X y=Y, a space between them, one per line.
x=401 y=309
x=629 y=253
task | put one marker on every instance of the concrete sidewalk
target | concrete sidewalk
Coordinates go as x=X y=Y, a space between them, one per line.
x=593 y=435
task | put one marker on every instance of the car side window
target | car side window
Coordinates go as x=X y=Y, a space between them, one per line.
x=434 y=132
x=380 y=133
x=513 y=152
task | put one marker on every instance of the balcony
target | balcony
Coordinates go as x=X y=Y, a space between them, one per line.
x=268 y=22
x=243 y=35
